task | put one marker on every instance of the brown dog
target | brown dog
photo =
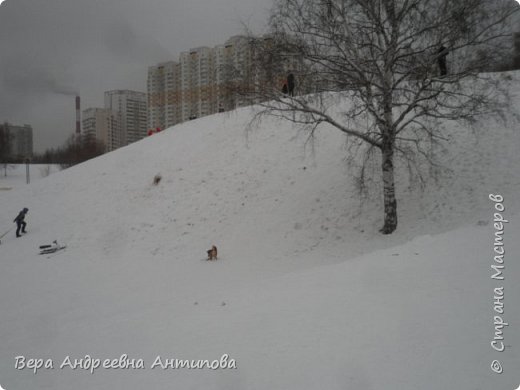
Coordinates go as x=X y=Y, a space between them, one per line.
x=212 y=253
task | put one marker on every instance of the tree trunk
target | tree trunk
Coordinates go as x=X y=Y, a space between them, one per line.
x=390 y=203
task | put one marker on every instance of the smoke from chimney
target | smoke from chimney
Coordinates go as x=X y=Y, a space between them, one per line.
x=78 y=118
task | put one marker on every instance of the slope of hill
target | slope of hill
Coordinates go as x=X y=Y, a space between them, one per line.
x=305 y=293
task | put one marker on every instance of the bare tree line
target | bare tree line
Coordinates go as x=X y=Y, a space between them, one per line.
x=76 y=150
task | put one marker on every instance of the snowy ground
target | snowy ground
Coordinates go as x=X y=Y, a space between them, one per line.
x=306 y=293
x=15 y=175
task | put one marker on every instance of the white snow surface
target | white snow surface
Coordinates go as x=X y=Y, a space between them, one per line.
x=305 y=294
x=15 y=175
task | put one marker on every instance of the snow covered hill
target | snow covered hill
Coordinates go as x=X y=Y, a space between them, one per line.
x=306 y=293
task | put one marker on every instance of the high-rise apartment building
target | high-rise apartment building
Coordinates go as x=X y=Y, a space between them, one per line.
x=203 y=82
x=197 y=83
x=132 y=113
x=209 y=80
x=233 y=67
x=164 y=100
x=102 y=124
x=21 y=138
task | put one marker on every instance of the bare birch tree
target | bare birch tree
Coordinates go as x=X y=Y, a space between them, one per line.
x=404 y=66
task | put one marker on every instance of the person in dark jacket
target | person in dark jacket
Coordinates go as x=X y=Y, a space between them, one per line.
x=441 y=59
x=20 y=222
x=290 y=84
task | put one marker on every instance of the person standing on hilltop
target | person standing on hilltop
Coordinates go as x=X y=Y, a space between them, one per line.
x=441 y=60
x=290 y=84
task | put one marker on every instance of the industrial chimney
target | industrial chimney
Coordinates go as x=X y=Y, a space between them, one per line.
x=78 y=118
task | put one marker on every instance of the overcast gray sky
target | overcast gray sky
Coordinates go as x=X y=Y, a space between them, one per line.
x=50 y=50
